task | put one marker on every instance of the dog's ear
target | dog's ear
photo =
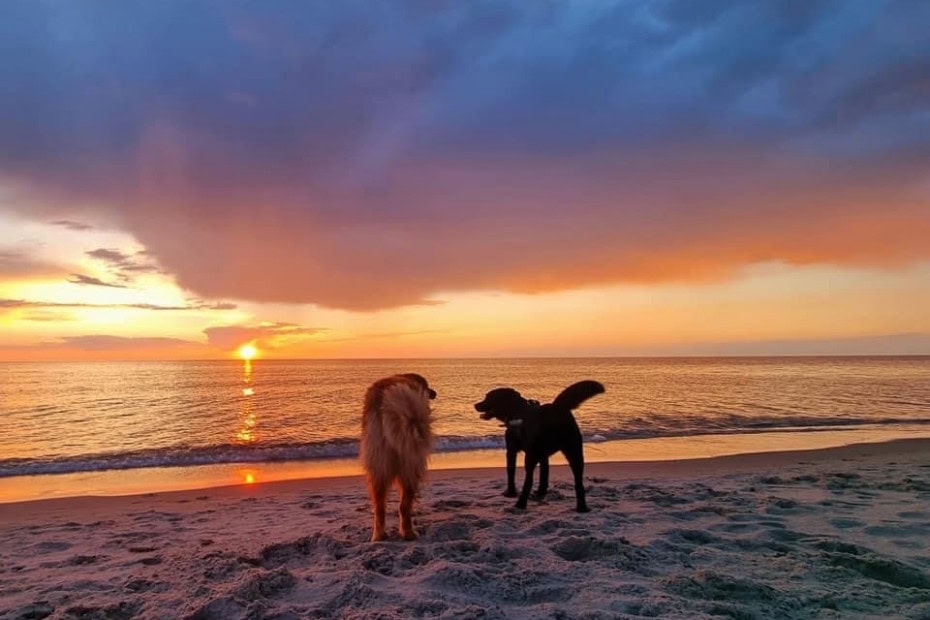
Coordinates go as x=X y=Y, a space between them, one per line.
x=508 y=397
x=421 y=381
x=415 y=378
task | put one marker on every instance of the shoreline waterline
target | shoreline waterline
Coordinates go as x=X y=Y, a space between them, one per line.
x=652 y=450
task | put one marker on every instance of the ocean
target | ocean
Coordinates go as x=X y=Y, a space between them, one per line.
x=60 y=418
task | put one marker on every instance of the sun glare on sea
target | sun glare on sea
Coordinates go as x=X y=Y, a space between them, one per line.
x=248 y=351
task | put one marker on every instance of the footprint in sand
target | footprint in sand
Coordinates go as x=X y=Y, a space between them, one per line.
x=123 y=609
x=37 y=609
x=146 y=585
x=52 y=546
x=451 y=504
x=590 y=548
x=454 y=529
x=82 y=560
x=736 y=528
x=781 y=505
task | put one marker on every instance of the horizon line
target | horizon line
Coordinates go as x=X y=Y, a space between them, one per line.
x=480 y=357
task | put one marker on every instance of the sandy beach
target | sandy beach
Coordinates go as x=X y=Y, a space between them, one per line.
x=839 y=532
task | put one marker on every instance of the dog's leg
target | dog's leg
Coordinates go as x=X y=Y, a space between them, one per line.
x=527 y=482
x=575 y=460
x=377 y=489
x=543 y=479
x=408 y=493
x=511 y=473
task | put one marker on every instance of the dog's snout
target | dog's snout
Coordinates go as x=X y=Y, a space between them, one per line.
x=482 y=406
x=432 y=393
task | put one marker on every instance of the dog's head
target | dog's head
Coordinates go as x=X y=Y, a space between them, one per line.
x=501 y=403
x=420 y=382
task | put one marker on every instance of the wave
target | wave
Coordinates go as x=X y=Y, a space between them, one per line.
x=185 y=456
x=344 y=448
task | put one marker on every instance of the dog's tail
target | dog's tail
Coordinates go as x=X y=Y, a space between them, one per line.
x=575 y=394
x=406 y=421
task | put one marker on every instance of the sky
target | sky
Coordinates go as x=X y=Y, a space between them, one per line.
x=440 y=179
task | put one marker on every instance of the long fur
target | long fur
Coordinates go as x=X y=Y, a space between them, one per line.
x=396 y=443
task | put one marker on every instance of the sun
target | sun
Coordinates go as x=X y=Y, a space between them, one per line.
x=248 y=351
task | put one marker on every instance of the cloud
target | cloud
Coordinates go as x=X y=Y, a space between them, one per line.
x=266 y=335
x=77 y=278
x=72 y=225
x=120 y=343
x=367 y=337
x=15 y=265
x=885 y=344
x=45 y=316
x=123 y=263
x=367 y=157
x=100 y=346
x=11 y=304
x=124 y=267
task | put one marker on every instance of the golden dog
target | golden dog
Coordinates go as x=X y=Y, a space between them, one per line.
x=396 y=443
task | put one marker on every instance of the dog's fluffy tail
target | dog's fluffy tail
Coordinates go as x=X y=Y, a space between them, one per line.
x=575 y=394
x=405 y=419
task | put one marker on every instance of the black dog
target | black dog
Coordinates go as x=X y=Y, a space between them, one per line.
x=541 y=431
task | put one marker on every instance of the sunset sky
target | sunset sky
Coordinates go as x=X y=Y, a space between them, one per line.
x=436 y=179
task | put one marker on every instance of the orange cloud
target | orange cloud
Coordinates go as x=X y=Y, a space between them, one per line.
x=265 y=336
x=104 y=347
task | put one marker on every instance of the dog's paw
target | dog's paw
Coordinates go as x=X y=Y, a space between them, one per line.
x=538 y=496
x=378 y=536
x=510 y=493
x=582 y=509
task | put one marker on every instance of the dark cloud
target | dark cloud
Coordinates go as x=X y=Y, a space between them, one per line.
x=124 y=266
x=122 y=261
x=366 y=156
x=110 y=256
x=77 y=278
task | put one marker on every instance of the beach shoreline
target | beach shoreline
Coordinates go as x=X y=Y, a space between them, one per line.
x=633 y=469
x=807 y=533
x=204 y=477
